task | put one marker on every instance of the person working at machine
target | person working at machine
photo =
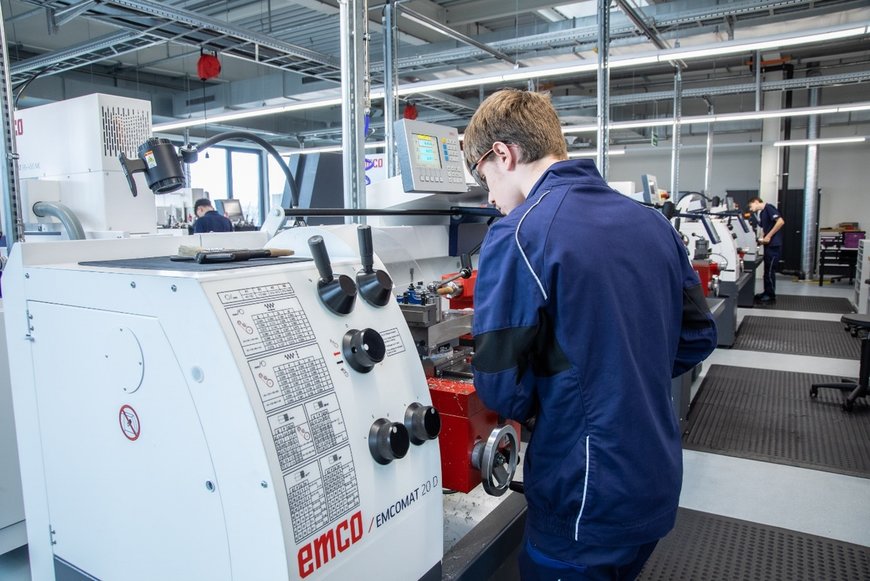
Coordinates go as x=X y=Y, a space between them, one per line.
x=591 y=308
x=771 y=226
x=208 y=219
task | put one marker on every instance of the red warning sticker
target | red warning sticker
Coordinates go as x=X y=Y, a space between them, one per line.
x=129 y=420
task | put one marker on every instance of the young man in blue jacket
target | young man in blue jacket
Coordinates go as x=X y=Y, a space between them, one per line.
x=591 y=308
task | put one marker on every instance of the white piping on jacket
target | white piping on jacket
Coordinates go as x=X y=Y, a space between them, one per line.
x=517 y=239
x=585 y=487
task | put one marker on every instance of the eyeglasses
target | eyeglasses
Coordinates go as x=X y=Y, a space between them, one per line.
x=481 y=180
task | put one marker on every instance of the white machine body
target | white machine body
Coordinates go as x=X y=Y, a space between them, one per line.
x=747 y=239
x=181 y=424
x=13 y=533
x=73 y=145
x=724 y=252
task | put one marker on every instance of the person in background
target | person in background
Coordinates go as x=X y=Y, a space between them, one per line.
x=771 y=227
x=208 y=220
x=562 y=347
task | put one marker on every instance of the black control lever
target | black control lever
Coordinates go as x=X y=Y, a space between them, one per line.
x=375 y=286
x=337 y=294
x=465 y=270
x=465 y=264
x=366 y=248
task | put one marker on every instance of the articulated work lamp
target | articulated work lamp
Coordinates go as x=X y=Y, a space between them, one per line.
x=160 y=163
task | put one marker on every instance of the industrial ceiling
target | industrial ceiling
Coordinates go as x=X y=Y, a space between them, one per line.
x=278 y=52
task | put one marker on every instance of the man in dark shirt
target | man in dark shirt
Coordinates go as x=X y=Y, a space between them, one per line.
x=771 y=227
x=208 y=220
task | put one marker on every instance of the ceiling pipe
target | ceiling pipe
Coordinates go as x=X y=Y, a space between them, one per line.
x=431 y=24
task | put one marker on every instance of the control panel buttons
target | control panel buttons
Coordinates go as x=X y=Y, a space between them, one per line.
x=388 y=441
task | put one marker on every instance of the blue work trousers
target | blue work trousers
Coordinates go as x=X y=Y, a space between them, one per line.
x=588 y=564
x=771 y=265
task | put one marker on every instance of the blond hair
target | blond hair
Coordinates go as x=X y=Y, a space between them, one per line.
x=522 y=118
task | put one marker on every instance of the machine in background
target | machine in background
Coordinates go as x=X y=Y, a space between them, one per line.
x=709 y=236
x=83 y=183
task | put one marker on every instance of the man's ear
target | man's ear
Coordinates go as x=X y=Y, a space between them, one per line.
x=507 y=155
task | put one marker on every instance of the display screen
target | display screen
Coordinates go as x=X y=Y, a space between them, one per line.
x=426 y=147
x=232 y=209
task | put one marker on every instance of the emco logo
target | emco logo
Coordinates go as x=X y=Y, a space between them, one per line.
x=327 y=546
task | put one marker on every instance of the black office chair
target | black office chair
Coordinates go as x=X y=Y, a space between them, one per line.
x=858 y=326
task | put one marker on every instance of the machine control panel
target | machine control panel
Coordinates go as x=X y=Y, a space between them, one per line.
x=430 y=158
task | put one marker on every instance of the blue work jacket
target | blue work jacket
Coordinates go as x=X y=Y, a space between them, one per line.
x=586 y=307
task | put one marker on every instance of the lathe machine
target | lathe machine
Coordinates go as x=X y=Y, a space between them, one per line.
x=260 y=420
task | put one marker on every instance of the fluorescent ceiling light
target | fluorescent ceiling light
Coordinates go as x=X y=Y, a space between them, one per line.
x=764 y=44
x=825 y=141
x=333 y=148
x=512 y=75
x=854 y=107
x=664 y=56
x=235 y=116
x=723 y=117
x=586 y=154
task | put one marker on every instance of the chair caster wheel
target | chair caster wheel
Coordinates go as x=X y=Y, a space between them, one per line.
x=814 y=393
x=847 y=406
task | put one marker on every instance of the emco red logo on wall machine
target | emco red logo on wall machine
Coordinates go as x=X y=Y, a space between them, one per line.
x=329 y=545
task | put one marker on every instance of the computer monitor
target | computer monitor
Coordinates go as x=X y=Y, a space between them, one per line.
x=650 y=190
x=232 y=209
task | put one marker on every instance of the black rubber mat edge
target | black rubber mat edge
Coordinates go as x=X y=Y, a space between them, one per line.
x=797 y=336
x=768 y=415
x=704 y=546
x=809 y=304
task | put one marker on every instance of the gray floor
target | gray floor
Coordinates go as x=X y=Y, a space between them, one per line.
x=809 y=501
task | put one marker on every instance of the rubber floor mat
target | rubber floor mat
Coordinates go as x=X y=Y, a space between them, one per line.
x=768 y=415
x=710 y=547
x=796 y=336
x=809 y=304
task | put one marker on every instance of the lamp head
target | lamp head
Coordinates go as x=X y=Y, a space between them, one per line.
x=159 y=162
